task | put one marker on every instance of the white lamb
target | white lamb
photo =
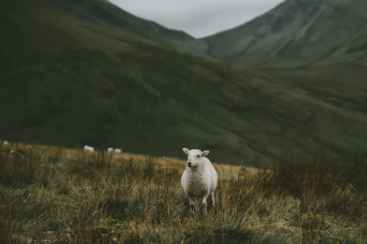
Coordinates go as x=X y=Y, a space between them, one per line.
x=6 y=143
x=88 y=148
x=110 y=149
x=117 y=150
x=199 y=180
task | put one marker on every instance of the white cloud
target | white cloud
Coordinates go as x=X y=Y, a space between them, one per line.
x=198 y=18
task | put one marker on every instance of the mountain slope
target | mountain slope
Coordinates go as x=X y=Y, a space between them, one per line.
x=107 y=14
x=298 y=33
x=70 y=82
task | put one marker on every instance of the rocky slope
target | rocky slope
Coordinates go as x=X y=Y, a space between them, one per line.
x=298 y=33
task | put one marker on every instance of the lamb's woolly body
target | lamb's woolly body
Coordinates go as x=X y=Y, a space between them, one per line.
x=214 y=174
x=200 y=180
x=197 y=183
x=88 y=148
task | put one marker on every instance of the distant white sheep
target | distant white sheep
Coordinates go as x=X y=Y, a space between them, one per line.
x=88 y=148
x=6 y=143
x=117 y=150
x=199 y=180
x=110 y=149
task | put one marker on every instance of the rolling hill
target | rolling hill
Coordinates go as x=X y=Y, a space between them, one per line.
x=107 y=14
x=71 y=82
x=298 y=33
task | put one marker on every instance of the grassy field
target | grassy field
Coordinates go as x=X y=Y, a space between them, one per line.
x=66 y=195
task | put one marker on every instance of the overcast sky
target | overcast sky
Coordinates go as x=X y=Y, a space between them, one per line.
x=198 y=18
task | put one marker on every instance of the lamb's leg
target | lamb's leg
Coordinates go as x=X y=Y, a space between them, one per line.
x=212 y=193
x=192 y=203
x=204 y=203
x=197 y=199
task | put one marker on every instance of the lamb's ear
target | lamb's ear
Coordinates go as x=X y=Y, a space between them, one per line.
x=185 y=150
x=204 y=153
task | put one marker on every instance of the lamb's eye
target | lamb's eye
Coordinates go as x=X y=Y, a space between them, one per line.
x=198 y=156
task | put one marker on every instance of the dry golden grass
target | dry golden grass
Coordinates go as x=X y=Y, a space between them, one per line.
x=225 y=171
x=66 y=195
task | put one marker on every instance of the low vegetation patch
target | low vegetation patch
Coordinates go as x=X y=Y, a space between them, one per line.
x=83 y=197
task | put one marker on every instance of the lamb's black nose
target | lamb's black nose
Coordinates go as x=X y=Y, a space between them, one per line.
x=189 y=164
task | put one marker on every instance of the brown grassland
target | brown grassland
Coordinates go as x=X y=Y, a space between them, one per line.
x=65 y=195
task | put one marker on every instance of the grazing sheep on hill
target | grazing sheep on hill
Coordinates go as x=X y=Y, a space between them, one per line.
x=88 y=148
x=110 y=149
x=6 y=143
x=117 y=150
x=199 y=180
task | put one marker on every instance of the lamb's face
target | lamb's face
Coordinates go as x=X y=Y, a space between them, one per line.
x=194 y=156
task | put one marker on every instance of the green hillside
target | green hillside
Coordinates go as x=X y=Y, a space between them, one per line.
x=70 y=82
x=298 y=33
x=104 y=13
